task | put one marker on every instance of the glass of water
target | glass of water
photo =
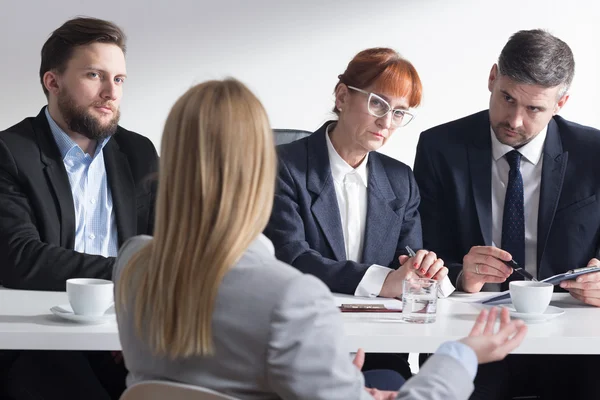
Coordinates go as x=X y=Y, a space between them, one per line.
x=419 y=300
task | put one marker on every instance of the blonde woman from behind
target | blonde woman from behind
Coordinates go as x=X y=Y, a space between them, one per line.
x=205 y=302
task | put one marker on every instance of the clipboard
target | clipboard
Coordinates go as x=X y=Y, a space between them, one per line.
x=504 y=297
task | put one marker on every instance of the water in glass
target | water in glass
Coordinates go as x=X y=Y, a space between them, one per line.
x=419 y=300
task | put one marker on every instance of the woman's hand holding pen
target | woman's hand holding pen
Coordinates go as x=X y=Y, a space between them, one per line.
x=484 y=264
x=424 y=264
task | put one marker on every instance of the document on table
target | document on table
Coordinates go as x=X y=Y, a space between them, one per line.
x=390 y=304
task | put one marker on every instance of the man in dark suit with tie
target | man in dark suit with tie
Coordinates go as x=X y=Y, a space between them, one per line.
x=74 y=186
x=517 y=181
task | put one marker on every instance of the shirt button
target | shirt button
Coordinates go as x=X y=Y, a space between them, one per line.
x=92 y=236
x=93 y=201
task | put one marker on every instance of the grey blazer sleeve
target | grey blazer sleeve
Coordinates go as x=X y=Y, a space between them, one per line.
x=129 y=248
x=306 y=345
x=441 y=378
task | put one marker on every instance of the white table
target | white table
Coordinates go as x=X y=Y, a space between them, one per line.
x=26 y=323
x=577 y=331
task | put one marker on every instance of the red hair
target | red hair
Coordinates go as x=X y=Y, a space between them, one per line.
x=386 y=71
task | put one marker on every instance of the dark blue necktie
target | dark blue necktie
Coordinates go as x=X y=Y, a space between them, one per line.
x=513 y=220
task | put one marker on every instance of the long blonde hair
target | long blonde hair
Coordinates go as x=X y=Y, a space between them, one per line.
x=215 y=194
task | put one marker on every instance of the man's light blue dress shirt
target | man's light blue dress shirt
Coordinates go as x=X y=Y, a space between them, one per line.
x=95 y=227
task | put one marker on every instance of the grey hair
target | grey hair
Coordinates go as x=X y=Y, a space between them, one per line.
x=536 y=57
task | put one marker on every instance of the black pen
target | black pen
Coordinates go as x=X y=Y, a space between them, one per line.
x=519 y=270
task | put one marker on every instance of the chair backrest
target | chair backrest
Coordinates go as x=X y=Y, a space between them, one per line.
x=283 y=136
x=164 y=390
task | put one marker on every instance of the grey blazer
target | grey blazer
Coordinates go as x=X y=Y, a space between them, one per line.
x=276 y=335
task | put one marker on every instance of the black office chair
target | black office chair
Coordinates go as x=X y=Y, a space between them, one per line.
x=283 y=136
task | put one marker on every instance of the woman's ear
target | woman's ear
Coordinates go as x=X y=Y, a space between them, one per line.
x=341 y=96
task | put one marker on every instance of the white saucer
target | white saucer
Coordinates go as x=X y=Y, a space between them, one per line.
x=65 y=311
x=550 y=313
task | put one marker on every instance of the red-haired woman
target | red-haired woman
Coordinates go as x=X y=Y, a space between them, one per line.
x=344 y=212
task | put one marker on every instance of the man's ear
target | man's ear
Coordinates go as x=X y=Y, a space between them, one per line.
x=51 y=82
x=492 y=77
x=561 y=103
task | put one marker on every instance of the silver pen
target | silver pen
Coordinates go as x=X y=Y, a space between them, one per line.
x=410 y=251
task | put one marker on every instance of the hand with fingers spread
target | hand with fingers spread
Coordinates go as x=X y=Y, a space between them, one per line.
x=585 y=288
x=492 y=346
x=484 y=264
x=424 y=264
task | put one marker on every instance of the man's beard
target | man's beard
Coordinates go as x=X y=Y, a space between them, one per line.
x=79 y=119
x=519 y=140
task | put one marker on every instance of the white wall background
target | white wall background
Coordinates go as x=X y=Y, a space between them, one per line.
x=290 y=53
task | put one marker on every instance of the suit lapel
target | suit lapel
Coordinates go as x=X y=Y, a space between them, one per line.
x=320 y=182
x=480 y=166
x=381 y=218
x=122 y=188
x=54 y=169
x=553 y=174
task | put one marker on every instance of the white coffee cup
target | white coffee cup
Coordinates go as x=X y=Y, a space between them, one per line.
x=90 y=297
x=531 y=297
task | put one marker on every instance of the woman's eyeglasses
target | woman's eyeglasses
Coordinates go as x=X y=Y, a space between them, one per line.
x=378 y=107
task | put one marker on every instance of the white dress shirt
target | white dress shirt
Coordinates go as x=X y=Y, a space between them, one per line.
x=531 y=171
x=351 y=193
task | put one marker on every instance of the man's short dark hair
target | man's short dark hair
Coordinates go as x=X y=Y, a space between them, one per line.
x=536 y=57
x=58 y=49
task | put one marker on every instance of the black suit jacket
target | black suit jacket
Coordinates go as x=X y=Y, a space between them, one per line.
x=453 y=170
x=305 y=225
x=37 y=217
